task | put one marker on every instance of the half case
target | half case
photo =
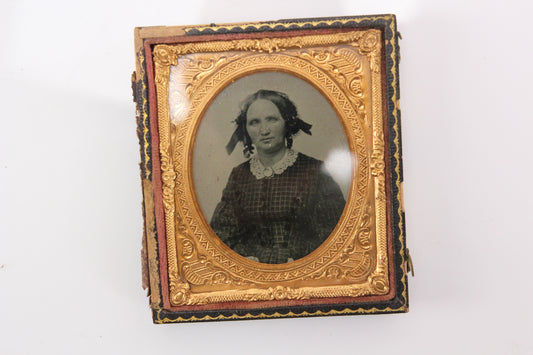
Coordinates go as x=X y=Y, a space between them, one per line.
x=271 y=169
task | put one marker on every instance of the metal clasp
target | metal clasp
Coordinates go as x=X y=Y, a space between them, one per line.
x=409 y=263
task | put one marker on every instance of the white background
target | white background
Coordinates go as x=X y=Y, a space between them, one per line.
x=70 y=195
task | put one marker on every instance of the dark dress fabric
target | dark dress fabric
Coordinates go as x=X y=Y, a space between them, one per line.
x=278 y=218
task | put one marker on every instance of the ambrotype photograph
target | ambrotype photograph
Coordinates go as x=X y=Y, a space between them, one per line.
x=280 y=167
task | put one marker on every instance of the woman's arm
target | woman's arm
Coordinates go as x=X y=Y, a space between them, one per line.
x=328 y=207
x=225 y=221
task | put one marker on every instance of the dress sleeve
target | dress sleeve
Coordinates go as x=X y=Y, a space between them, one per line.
x=328 y=207
x=225 y=221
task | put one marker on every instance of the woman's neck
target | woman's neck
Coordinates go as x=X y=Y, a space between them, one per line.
x=269 y=159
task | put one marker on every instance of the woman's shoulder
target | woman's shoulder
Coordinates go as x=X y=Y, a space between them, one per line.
x=241 y=169
x=306 y=160
x=312 y=166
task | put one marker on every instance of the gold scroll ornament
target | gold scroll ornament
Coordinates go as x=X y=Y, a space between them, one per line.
x=345 y=68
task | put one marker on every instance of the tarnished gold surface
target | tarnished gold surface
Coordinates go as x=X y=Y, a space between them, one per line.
x=159 y=319
x=144 y=119
x=285 y=25
x=345 y=68
x=396 y=119
x=151 y=243
x=149 y=235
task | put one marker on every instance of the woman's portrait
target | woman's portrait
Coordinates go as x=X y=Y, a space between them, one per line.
x=280 y=202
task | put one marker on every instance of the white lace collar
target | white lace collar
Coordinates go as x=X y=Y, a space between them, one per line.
x=260 y=171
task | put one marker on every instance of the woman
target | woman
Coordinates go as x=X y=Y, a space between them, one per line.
x=279 y=205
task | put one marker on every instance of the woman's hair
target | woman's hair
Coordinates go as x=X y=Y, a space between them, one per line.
x=288 y=112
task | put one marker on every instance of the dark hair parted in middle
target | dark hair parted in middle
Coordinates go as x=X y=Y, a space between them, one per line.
x=288 y=112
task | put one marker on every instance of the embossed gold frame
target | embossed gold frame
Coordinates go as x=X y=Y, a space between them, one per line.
x=192 y=275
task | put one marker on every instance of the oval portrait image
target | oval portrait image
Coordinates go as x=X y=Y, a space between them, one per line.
x=271 y=167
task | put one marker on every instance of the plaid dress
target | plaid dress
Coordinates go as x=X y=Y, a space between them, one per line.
x=281 y=217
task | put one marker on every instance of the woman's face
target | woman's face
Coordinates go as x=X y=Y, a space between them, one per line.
x=265 y=126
